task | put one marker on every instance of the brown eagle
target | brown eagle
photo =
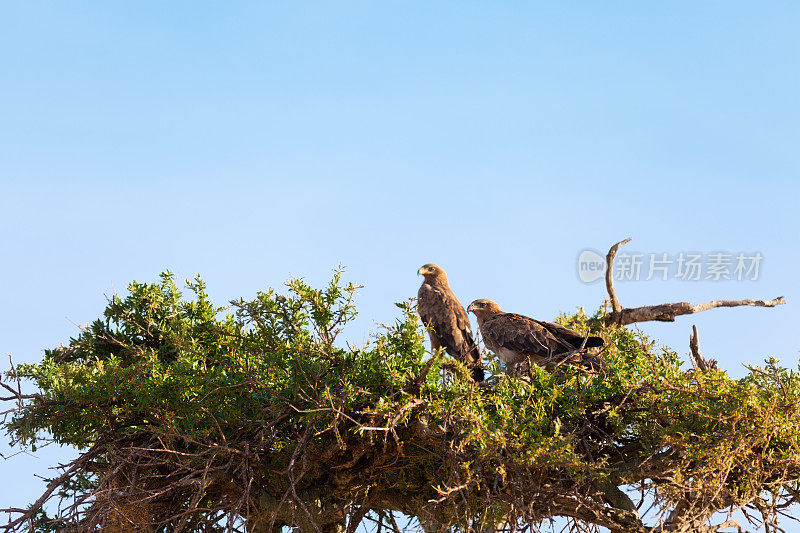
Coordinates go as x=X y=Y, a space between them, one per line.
x=445 y=319
x=516 y=338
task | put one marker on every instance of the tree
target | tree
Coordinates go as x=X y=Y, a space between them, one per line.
x=193 y=417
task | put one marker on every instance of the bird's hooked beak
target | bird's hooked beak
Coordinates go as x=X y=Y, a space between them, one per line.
x=419 y=272
x=470 y=308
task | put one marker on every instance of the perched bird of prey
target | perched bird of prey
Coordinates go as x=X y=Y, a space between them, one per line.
x=517 y=338
x=445 y=319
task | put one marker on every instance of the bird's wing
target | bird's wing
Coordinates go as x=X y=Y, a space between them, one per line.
x=568 y=338
x=520 y=334
x=571 y=340
x=445 y=317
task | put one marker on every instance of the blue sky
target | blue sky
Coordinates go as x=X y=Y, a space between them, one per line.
x=253 y=141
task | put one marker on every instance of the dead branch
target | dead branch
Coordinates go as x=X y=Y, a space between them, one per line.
x=612 y=294
x=357 y=516
x=30 y=512
x=698 y=361
x=664 y=312
x=668 y=312
x=724 y=525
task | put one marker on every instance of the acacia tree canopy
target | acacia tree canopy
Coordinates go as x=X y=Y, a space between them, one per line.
x=189 y=416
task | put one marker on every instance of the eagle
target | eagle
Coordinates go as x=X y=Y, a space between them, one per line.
x=518 y=338
x=446 y=320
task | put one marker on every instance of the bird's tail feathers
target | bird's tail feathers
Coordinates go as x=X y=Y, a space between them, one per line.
x=594 y=342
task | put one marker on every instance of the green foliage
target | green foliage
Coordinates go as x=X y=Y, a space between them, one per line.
x=270 y=373
x=181 y=367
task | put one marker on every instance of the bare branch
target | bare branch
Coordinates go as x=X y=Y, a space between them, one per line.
x=735 y=303
x=694 y=346
x=29 y=513
x=668 y=312
x=358 y=515
x=616 y=307
x=724 y=525
x=663 y=312
x=698 y=361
